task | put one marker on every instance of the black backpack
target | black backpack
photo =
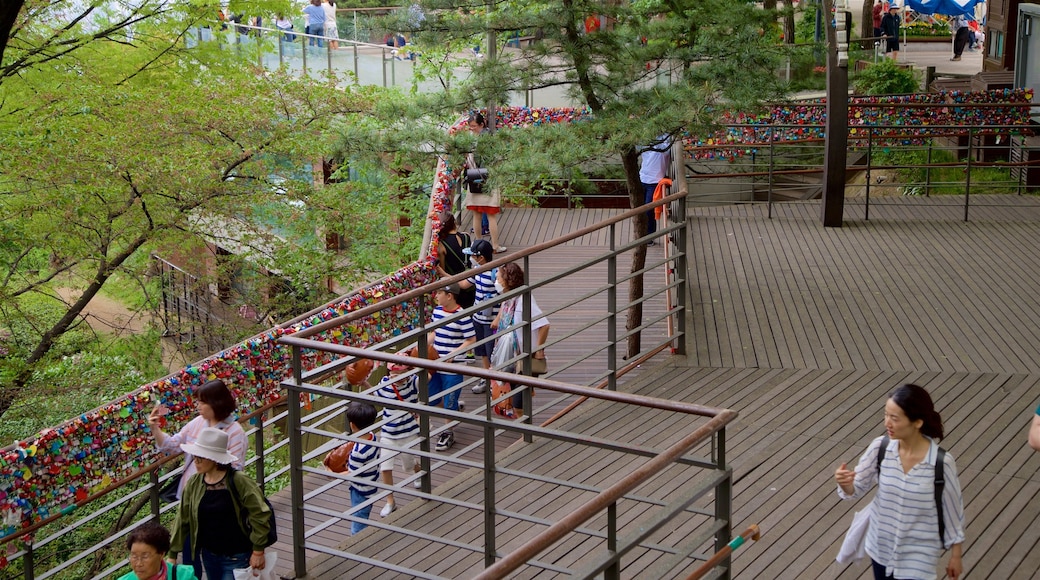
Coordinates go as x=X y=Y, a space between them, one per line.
x=940 y=483
x=272 y=531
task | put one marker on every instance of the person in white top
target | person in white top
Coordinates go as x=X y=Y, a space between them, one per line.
x=331 y=30
x=903 y=539
x=511 y=276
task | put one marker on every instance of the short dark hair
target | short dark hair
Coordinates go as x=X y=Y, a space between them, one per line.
x=477 y=118
x=917 y=404
x=512 y=275
x=151 y=533
x=447 y=225
x=216 y=394
x=361 y=414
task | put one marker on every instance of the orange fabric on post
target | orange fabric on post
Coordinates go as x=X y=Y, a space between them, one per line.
x=659 y=194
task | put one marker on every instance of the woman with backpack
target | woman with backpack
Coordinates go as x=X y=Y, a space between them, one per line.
x=222 y=510
x=915 y=513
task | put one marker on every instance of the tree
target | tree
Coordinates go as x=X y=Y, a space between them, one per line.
x=123 y=147
x=654 y=67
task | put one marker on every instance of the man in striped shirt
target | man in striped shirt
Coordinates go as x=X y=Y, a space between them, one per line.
x=451 y=339
x=363 y=463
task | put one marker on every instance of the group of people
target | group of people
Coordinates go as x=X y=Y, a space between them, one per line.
x=886 y=27
x=320 y=21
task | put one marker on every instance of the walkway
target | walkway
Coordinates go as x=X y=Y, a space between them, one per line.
x=804 y=331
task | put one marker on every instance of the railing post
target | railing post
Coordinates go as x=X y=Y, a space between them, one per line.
x=328 y=55
x=424 y=418
x=258 y=444
x=870 y=162
x=769 y=185
x=296 y=465
x=612 y=311
x=928 y=171
x=489 y=493
x=967 y=182
x=303 y=52
x=613 y=572
x=153 y=499
x=357 y=59
x=28 y=565
x=527 y=339
x=680 y=266
x=723 y=500
x=384 y=67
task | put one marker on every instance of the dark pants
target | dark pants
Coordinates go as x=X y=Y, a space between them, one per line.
x=648 y=197
x=879 y=571
x=188 y=560
x=960 y=40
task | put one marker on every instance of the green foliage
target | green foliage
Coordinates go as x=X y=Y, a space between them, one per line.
x=920 y=168
x=885 y=78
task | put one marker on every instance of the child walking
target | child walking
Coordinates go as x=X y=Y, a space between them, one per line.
x=362 y=463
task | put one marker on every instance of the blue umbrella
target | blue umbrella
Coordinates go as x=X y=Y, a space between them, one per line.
x=949 y=7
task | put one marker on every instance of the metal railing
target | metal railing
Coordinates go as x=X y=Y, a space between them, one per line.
x=707 y=501
x=963 y=164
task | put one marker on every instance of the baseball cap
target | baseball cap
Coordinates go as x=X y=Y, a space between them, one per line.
x=480 y=248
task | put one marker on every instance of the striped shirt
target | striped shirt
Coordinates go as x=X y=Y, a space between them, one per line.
x=904 y=526
x=451 y=336
x=484 y=282
x=363 y=464
x=401 y=424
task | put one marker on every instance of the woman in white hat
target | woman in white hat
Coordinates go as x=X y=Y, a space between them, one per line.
x=222 y=510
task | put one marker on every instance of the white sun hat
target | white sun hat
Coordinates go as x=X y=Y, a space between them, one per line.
x=211 y=444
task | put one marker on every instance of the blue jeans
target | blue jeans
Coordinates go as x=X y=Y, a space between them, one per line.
x=357 y=498
x=316 y=31
x=441 y=382
x=219 y=567
x=648 y=197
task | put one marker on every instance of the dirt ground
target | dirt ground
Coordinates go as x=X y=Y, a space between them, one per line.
x=111 y=317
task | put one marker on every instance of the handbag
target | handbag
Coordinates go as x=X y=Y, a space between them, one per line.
x=539 y=366
x=854 y=547
x=504 y=407
x=336 y=460
x=168 y=492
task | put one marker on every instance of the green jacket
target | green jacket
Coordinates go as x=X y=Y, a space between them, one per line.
x=180 y=572
x=252 y=500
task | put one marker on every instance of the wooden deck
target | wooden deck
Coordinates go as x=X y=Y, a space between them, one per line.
x=805 y=330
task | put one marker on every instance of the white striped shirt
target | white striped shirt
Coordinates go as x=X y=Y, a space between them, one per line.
x=904 y=526
x=364 y=465
x=449 y=337
x=402 y=423
x=484 y=282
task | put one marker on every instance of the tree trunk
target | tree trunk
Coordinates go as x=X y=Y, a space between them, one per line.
x=10 y=392
x=867 y=16
x=630 y=162
x=789 y=22
x=9 y=10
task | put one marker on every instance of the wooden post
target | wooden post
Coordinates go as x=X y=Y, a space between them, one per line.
x=837 y=137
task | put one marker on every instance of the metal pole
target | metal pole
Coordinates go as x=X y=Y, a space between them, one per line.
x=296 y=465
x=870 y=162
x=681 y=266
x=723 y=501
x=612 y=312
x=258 y=447
x=928 y=171
x=529 y=346
x=153 y=479
x=28 y=562
x=424 y=418
x=489 y=493
x=769 y=187
x=613 y=572
x=967 y=182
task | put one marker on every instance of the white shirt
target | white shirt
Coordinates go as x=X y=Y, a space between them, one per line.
x=904 y=527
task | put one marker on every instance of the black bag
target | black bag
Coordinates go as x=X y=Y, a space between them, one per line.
x=475 y=179
x=272 y=531
x=168 y=492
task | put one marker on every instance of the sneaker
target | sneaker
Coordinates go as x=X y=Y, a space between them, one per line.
x=484 y=232
x=447 y=439
x=480 y=387
x=956 y=58
x=462 y=405
x=387 y=510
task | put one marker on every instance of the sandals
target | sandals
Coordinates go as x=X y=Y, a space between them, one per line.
x=500 y=249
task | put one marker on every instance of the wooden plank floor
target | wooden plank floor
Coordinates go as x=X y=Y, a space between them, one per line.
x=805 y=330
